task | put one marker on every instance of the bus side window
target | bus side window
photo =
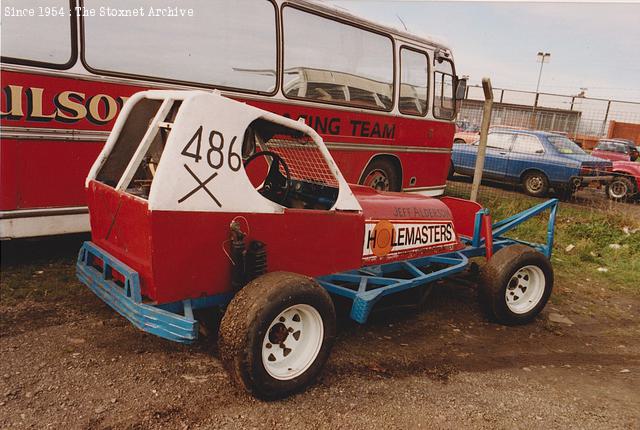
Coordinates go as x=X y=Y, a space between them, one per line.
x=208 y=48
x=19 y=43
x=414 y=81
x=336 y=62
x=443 y=96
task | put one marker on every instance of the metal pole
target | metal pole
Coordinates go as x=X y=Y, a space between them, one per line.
x=484 y=131
x=606 y=117
x=543 y=56
x=540 y=74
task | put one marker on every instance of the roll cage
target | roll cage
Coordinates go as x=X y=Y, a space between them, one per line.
x=187 y=151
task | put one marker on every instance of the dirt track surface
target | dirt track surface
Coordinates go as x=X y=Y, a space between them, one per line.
x=71 y=362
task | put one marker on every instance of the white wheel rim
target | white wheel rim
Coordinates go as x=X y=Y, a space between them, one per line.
x=618 y=189
x=535 y=183
x=525 y=289
x=292 y=342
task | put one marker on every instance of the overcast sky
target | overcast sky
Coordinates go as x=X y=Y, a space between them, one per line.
x=592 y=45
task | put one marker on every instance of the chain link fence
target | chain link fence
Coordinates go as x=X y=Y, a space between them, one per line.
x=543 y=145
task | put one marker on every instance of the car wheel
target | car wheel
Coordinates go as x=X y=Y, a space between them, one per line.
x=516 y=284
x=277 y=334
x=565 y=193
x=621 y=188
x=535 y=184
x=381 y=175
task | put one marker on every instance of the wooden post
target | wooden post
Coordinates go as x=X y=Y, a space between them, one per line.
x=484 y=131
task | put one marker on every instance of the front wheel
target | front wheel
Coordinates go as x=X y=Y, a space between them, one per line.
x=516 y=284
x=621 y=188
x=535 y=184
x=276 y=334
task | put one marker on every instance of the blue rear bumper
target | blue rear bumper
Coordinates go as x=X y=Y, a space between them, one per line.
x=172 y=321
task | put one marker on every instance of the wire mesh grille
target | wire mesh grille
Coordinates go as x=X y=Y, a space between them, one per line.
x=540 y=144
x=304 y=159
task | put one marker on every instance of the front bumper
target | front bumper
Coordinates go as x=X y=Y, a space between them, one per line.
x=172 y=321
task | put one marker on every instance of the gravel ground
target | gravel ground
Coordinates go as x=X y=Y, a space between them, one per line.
x=68 y=361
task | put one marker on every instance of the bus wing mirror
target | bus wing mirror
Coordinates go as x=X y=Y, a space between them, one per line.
x=461 y=88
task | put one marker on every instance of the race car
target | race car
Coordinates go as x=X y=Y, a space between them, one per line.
x=198 y=201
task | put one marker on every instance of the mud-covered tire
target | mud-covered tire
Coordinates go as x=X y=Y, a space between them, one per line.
x=535 y=184
x=381 y=175
x=620 y=189
x=515 y=284
x=260 y=322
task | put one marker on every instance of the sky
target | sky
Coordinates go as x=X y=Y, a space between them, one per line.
x=593 y=45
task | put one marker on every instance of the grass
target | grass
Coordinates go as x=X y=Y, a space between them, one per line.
x=591 y=232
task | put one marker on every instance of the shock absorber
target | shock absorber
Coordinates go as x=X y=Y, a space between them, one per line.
x=255 y=260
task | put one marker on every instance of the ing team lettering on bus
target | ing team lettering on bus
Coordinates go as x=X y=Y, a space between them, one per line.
x=383 y=100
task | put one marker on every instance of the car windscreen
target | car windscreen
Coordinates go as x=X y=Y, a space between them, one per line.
x=564 y=145
x=613 y=146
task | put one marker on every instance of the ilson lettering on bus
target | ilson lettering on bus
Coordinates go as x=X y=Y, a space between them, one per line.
x=66 y=106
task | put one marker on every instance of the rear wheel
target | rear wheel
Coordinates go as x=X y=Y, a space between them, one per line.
x=381 y=175
x=277 y=334
x=516 y=284
x=535 y=184
x=621 y=188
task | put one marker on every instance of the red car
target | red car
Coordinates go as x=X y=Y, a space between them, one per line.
x=616 y=150
x=626 y=183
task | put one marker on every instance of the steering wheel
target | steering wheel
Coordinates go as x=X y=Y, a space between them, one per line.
x=276 y=186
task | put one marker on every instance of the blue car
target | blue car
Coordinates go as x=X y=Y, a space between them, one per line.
x=538 y=160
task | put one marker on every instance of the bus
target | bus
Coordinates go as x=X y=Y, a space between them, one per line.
x=383 y=100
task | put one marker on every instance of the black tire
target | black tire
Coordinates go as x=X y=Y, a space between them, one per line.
x=565 y=193
x=381 y=175
x=620 y=189
x=246 y=326
x=501 y=272
x=535 y=183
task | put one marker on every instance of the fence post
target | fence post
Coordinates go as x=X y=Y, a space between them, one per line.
x=606 y=117
x=484 y=130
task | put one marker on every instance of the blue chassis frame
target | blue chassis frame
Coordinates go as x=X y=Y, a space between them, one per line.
x=364 y=286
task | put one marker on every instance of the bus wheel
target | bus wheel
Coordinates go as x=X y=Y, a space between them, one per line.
x=276 y=334
x=516 y=284
x=381 y=175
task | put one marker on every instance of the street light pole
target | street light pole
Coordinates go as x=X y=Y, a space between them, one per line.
x=542 y=57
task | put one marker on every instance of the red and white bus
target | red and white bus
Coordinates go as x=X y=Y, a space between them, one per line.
x=383 y=100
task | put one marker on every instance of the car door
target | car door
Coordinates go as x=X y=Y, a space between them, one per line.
x=497 y=156
x=527 y=152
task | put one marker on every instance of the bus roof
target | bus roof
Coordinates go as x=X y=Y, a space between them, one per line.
x=340 y=12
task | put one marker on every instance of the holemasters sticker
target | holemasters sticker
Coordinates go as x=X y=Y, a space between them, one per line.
x=384 y=237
